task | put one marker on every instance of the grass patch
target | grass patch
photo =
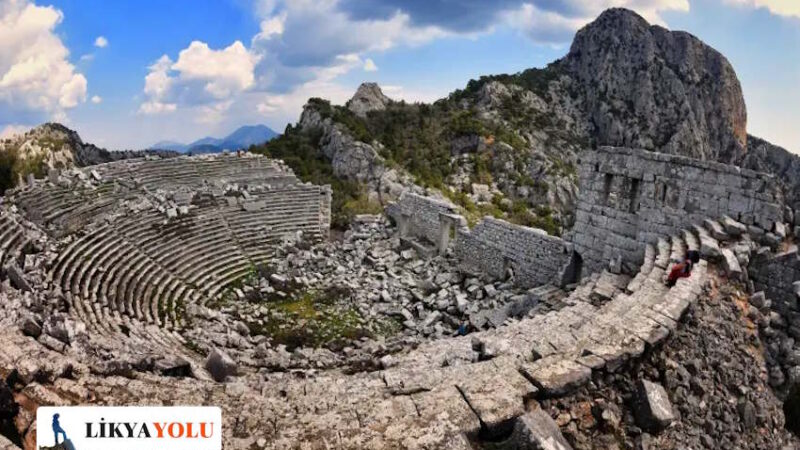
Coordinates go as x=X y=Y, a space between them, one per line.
x=318 y=318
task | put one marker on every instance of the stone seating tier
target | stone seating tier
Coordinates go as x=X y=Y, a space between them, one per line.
x=144 y=266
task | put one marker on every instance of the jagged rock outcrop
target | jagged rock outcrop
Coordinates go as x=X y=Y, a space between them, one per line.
x=355 y=160
x=766 y=157
x=647 y=87
x=624 y=82
x=368 y=97
x=51 y=144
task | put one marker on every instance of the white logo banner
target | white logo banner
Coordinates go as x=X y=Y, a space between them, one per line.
x=129 y=428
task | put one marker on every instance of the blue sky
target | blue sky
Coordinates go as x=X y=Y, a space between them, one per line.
x=127 y=74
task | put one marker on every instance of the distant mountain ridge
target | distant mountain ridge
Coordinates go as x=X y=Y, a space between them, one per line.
x=243 y=137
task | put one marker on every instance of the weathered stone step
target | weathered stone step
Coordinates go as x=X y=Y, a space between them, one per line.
x=709 y=247
x=663 y=249
x=715 y=230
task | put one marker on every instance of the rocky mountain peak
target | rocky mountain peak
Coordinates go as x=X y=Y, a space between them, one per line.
x=652 y=88
x=368 y=97
x=50 y=144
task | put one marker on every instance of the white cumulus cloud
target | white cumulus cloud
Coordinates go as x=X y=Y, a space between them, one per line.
x=96 y=99
x=779 y=7
x=101 y=42
x=222 y=72
x=37 y=81
x=202 y=78
x=557 y=22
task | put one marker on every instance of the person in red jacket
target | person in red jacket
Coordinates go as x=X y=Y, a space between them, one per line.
x=683 y=269
x=680 y=270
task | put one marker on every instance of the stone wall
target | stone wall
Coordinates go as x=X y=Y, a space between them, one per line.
x=775 y=274
x=419 y=217
x=631 y=197
x=326 y=195
x=494 y=246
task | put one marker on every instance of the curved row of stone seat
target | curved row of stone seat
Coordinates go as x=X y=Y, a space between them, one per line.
x=12 y=238
x=440 y=384
x=98 y=268
x=147 y=269
x=179 y=171
x=65 y=210
x=437 y=395
x=647 y=286
x=419 y=403
x=285 y=211
x=199 y=249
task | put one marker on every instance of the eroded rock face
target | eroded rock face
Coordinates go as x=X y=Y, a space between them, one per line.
x=648 y=87
x=368 y=97
x=766 y=157
x=355 y=160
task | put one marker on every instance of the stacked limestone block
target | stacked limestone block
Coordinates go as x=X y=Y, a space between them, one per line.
x=631 y=197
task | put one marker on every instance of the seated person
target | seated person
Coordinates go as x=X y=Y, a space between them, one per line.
x=683 y=269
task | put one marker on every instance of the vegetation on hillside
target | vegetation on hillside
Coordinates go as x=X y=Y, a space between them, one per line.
x=435 y=144
x=13 y=167
x=300 y=151
x=533 y=79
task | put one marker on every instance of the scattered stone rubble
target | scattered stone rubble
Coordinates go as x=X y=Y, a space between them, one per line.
x=713 y=381
x=143 y=309
x=385 y=282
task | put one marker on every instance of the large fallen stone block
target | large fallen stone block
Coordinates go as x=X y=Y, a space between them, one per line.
x=653 y=408
x=731 y=264
x=536 y=430
x=555 y=376
x=758 y=299
x=30 y=327
x=220 y=365
x=780 y=230
x=495 y=402
x=17 y=277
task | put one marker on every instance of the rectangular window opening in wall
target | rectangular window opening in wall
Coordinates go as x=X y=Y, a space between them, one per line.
x=634 y=195
x=661 y=193
x=607 y=180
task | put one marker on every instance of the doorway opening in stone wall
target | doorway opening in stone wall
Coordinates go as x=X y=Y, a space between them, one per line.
x=791 y=409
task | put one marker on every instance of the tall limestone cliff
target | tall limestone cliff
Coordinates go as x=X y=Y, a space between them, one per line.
x=647 y=87
x=508 y=145
x=766 y=157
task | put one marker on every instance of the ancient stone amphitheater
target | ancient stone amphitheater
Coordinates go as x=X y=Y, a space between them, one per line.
x=113 y=273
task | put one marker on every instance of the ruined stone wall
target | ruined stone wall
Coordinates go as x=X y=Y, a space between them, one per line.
x=774 y=274
x=419 y=217
x=494 y=246
x=326 y=195
x=631 y=197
